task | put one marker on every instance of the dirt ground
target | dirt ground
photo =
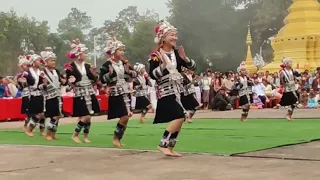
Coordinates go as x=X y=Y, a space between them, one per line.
x=63 y=163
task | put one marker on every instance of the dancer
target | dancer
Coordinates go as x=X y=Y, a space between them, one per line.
x=115 y=73
x=244 y=85
x=140 y=85
x=85 y=103
x=25 y=80
x=287 y=79
x=52 y=93
x=188 y=98
x=165 y=67
x=36 y=108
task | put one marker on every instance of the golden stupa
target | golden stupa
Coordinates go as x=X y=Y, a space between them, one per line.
x=249 y=60
x=299 y=39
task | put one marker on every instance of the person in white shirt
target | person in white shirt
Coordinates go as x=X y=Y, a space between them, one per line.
x=259 y=88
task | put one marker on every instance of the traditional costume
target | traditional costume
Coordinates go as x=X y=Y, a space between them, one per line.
x=169 y=84
x=140 y=86
x=288 y=81
x=25 y=80
x=37 y=106
x=85 y=102
x=244 y=86
x=188 y=97
x=114 y=74
x=52 y=94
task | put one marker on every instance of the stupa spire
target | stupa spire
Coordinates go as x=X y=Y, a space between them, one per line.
x=249 y=60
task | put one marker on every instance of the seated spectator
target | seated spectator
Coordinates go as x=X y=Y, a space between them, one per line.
x=268 y=88
x=257 y=103
x=221 y=102
x=303 y=100
x=312 y=102
x=11 y=88
x=259 y=88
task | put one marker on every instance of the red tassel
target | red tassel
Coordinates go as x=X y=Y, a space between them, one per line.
x=157 y=29
x=42 y=61
x=68 y=67
x=71 y=55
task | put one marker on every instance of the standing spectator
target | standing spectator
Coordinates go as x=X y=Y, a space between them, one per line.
x=315 y=83
x=275 y=81
x=206 y=83
x=2 y=88
x=268 y=77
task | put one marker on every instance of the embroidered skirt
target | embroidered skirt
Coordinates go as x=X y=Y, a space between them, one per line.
x=168 y=109
x=53 y=107
x=25 y=105
x=288 y=98
x=142 y=102
x=36 y=105
x=189 y=102
x=80 y=106
x=118 y=106
x=244 y=100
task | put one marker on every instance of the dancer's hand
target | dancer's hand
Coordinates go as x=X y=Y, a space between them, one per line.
x=45 y=81
x=94 y=71
x=162 y=58
x=182 y=53
x=110 y=70
x=127 y=68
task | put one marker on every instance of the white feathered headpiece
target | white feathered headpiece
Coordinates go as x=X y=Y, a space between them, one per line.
x=77 y=48
x=286 y=61
x=23 y=60
x=242 y=66
x=138 y=67
x=48 y=54
x=113 y=45
x=162 y=30
x=34 y=57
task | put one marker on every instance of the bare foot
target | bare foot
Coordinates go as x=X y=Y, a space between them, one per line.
x=86 y=140
x=165 y=151
x=289 y=117
x=189 y=121
x=25 y=128
x=29 y=133
x=142 y=120
x=54 y=136
x=48 y=138
x=244 y=119
x=116 y=143
x=76 y=139
x=42 y=134
x=175 y=154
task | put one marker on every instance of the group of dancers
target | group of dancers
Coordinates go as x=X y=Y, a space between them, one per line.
x=41 y=83
x=287 y=80
x=167 y=66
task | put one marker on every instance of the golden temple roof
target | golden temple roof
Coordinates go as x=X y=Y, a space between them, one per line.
x=299 y=39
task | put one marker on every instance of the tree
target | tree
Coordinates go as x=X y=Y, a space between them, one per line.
x=75 y=19
x=20 y=29
x=208 y=36
x=141 y=43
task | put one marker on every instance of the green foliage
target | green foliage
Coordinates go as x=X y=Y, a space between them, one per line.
x=210 y=30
